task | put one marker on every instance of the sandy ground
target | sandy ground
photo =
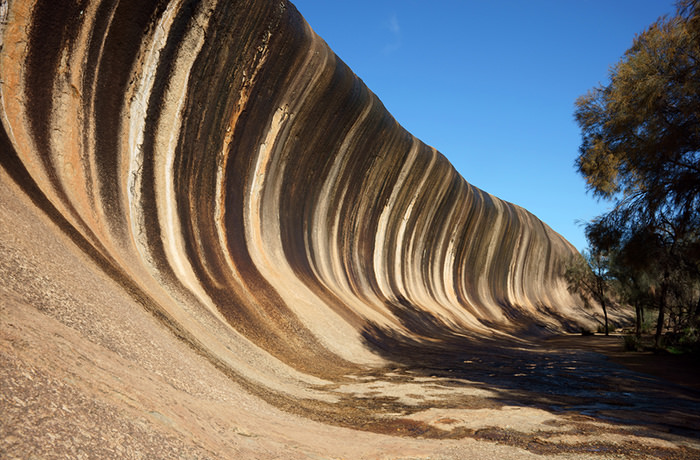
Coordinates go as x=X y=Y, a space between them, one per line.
x=682 y=370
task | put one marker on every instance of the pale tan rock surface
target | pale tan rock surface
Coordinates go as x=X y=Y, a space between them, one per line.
x=217 y=243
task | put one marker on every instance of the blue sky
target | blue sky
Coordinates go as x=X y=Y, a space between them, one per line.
x=492 y=85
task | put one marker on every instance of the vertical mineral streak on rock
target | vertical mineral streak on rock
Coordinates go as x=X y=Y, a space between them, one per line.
x=264 y=212
x=405 y=252
x=382 y=260
x=394 y=242
x=521 y=249
x=68 y=124
x=144 y=78
x=168 y=131
x=323 y=249
x=442 y=264
x=248 y=82
x=16 y=45
x=98 y=21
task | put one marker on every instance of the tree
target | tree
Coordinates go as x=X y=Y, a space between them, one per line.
x=641 y=150
x=641 y=133
x=634 y=267
x=588 y=276
x=651 y=262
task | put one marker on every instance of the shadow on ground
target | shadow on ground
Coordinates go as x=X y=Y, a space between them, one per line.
x=531 y=373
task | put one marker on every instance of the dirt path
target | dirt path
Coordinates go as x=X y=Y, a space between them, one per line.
x=679 y=369
x=569 y=382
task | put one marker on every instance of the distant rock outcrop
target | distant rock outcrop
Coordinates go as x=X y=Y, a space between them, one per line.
x=233 y=175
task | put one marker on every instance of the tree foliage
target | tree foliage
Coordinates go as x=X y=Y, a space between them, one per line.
x=641 y=132
x=588 y=276
x=641 y=150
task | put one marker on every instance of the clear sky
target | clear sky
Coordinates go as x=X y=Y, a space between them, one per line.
x=492 y=85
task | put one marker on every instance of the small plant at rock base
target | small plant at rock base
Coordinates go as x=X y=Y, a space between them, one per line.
x=632 y=343
x=690 y=337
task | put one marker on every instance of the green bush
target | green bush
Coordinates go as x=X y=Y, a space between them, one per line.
x=689 y=337
x=632 y=343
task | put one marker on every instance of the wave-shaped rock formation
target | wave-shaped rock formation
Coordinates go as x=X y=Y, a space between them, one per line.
x=248 y=193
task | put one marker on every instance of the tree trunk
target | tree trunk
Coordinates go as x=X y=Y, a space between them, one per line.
x=605 y=313
x=638 y=323
x=660 y=324
x=601 y=297
x=662 y=312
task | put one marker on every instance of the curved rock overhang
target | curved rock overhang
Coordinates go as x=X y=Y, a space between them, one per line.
x=233 y=174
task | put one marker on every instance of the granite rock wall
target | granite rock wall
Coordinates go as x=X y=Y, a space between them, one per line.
x=233 y=174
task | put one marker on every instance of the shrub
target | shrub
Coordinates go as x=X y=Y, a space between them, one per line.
x=632 y=343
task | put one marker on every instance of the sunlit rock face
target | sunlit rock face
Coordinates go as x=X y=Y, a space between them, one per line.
x=234 y=175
